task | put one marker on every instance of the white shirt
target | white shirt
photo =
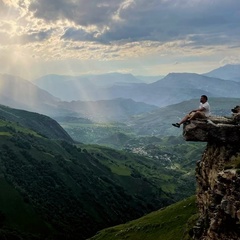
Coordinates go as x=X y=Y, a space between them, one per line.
x=206 y=106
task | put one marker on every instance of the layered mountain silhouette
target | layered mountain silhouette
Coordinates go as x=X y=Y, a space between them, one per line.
x=98 y=97
x=173 y=88
x=19 y=93
x=70 y=88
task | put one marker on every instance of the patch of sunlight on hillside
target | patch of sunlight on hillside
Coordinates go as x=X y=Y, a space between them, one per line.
x=120 y=170
x=5 y=134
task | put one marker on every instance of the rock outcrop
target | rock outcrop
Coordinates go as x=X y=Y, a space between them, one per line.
x=218 y=178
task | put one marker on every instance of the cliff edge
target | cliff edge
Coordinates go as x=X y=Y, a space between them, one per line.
x=218 y=178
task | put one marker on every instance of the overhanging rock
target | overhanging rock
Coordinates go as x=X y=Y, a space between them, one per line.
x=215 y=129
x=218 y=178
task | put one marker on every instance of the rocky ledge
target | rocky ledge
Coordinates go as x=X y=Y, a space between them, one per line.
x=218 y=178
x=213 y=129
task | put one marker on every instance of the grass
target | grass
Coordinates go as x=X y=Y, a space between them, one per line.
x=170 y=188
x=120 y=170
x=169 y=223
x=5 y=134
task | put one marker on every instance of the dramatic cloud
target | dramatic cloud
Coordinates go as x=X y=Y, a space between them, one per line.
x=82 y=12
x=120 y=33
x=156 y=20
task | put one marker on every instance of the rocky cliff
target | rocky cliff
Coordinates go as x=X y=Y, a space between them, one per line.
x=218 y=178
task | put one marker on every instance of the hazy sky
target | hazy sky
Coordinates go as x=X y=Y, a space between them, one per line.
x=142 y=37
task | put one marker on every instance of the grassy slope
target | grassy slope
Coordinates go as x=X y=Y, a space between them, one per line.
x=170 y=223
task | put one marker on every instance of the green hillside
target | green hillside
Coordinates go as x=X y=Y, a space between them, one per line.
x=53 y=189
x=171 y=223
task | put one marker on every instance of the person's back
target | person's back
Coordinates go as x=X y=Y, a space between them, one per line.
x=206 y=107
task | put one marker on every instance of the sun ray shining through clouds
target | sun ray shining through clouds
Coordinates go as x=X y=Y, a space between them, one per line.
x=145 y=37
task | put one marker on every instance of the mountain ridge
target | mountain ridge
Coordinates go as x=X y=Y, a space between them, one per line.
x=227 y=72
x=172 y=89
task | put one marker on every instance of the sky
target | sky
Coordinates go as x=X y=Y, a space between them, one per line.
x=141 y=37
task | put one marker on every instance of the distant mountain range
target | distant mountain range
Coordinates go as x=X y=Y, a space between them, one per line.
x=173 y=88
x=22 y=94
x=70 y=88
x=113 y=96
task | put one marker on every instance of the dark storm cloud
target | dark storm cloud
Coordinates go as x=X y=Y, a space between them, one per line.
x=208 y=22
x=82 y=12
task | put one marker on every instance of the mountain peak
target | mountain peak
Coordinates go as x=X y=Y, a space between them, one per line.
x=227 y=72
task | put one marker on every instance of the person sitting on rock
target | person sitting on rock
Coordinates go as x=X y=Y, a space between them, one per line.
x=202 y=112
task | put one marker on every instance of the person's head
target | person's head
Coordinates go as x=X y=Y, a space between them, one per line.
x=203 y=99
